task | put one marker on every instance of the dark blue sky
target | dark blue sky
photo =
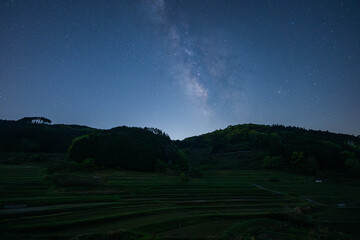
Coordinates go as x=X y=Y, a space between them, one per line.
x=186 y=67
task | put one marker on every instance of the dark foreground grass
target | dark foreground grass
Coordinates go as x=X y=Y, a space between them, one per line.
x=225 y=204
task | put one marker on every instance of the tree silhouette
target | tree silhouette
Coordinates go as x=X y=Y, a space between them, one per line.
x=38 y=120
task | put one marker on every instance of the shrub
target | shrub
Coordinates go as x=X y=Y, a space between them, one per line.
x=273 y=162
x=89 y=164
x=183 y=178
x=353 y=167
x=298 y=160
x=312 y=165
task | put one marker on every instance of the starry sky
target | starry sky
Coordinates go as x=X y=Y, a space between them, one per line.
x=186 y=67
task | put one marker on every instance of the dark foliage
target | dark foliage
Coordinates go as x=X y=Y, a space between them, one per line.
x=280 y=147
x=128 y=148
x=24 y=136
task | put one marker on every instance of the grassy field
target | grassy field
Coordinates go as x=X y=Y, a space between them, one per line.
x=228 y=204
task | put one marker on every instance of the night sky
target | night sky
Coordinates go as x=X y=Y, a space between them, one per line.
x=186 y=67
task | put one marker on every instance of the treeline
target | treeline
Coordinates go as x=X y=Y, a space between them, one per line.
x=37 y=120
x=129 y=148
x=143 y=149
x=147 y=149
x=280 y=147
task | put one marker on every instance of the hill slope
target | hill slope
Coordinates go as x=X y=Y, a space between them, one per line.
x=245 y=146
x=20 y=136
x=144 y=149
x=280 y=147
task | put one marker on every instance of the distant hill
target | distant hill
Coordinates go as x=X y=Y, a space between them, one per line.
x=245 y=146
x=25 y=136
x=276 y=146
x=143 y=149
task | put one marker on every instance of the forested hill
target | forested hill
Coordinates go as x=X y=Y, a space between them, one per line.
x=36 y=135
x=277 y=146
x=241 y=146
x=143 y=149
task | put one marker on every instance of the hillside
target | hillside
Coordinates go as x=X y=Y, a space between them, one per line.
x=276 y=146
x=144 y=149
x=24 y=136
x=246 y=146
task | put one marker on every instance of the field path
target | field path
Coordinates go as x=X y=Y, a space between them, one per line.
x=282 y=193
x=266 y=189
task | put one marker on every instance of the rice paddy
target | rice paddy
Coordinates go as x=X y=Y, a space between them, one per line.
x=226 y=204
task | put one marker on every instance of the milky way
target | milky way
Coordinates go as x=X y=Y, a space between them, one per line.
x=186 y=67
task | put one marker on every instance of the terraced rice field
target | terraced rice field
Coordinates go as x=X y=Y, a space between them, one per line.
x=207 y=207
